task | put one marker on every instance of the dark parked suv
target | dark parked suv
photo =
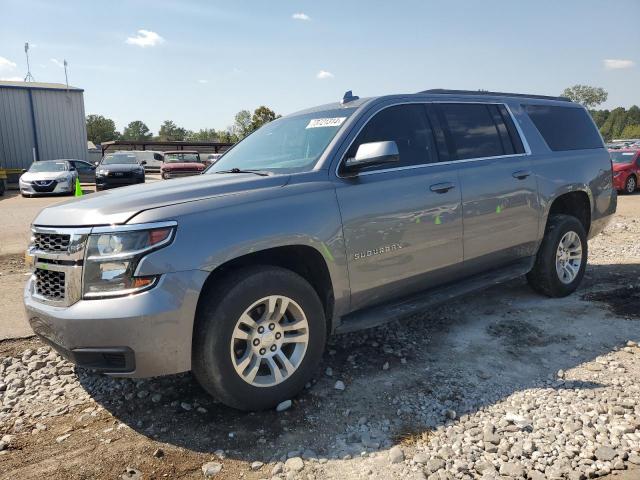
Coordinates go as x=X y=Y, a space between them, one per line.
x=119 y=169
x=333 y=219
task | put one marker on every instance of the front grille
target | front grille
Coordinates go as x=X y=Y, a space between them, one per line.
x=51 y=242
x=184 y=173
x=50 y=284
x=44 y=186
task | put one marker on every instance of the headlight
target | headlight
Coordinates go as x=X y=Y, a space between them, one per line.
x=102 y=172
x=113 y=256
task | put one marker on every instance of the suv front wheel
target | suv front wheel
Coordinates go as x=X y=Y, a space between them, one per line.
x=561 y=259
x=259 y=336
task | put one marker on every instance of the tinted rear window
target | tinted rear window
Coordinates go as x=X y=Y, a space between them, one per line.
x=565 y=128
x=473 y=131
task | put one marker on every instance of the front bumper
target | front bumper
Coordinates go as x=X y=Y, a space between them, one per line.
x=60 y=187
x=142 y=335
x=112 y=182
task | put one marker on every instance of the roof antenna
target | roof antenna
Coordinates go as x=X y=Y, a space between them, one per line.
x=28 y=77
x=349 y=97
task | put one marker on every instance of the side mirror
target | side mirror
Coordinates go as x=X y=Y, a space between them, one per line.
x=96 y=163
x=374 y=153
x=143 y=162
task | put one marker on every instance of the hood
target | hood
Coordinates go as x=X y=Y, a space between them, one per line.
x=120 y=167
x=621 y=166
x=34 y=176
x=119 y=205
x=183 y=166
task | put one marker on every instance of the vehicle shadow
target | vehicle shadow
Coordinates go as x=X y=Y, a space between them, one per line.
x=400 y=378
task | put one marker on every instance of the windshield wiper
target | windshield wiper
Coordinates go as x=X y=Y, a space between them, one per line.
x=238 y=170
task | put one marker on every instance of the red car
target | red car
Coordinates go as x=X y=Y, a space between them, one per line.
x=626 y=169
x=181 y=163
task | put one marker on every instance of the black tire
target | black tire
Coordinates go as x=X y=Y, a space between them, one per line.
x=165 y=176
x=2 y=187
x=216 y=319
x=630 y=185
x=544 y=278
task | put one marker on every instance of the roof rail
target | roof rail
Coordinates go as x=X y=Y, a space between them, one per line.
x=444 y=91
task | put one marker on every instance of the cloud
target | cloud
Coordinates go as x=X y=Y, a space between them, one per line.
x=301 y=16
x=57 y=62
x=323 y=75
x=203 y=81
x=145 y=38
x=6 y=65
x=617 y=63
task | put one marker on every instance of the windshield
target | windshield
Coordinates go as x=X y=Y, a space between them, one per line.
x=119 y=159
x=48 y=167
x=286 y=145
x=622 y=157
x=181 y=158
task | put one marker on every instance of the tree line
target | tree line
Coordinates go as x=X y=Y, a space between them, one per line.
x=617 y=123
x=102 y=129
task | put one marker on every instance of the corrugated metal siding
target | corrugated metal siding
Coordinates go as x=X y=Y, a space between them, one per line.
x=60 y=123
x=16 y=133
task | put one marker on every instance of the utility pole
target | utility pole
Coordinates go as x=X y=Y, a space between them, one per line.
x=66 y=78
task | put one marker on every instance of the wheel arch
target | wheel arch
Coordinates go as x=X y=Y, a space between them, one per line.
x=577 y=203
x=305 y=260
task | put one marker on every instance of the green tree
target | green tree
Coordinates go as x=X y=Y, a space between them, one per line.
x=226 y=136
x=614 y=124
x=262 y=115
x=136 y=130
x=588 y=96
x=631 y=131
x=242 y=124
x=203 y=135
x=169 y=131
x=101 y=129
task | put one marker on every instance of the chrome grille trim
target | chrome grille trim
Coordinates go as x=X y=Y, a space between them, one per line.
x=64 y=263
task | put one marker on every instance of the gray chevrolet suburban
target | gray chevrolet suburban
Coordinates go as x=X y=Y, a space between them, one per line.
x=336 y=218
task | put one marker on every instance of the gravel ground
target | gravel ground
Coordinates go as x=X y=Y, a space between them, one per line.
x=506 y=384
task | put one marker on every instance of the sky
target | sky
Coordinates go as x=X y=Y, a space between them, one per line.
x=199 y=62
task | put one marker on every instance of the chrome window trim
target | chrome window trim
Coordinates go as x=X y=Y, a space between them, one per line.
x=525 y=144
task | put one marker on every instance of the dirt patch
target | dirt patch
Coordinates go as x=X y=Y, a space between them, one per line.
x=624 y=302
x=520 y=332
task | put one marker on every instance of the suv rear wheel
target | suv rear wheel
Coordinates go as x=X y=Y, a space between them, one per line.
x=258 y=338
x=561 y=259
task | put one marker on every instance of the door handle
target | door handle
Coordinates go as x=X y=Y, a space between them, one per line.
x=442 y=187
x=521 y=174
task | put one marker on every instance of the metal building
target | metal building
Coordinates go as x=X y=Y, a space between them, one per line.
x=40 y=121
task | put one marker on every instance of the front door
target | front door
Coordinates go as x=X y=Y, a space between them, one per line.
x=402 y=222
x=499 y=191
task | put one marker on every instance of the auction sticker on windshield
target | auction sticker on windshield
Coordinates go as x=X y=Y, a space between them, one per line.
x=326 y=122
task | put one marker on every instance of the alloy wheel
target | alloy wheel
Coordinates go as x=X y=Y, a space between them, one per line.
x=569 y=257
x=269 y=341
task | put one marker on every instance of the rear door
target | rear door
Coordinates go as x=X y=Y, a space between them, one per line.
x=499 y=191
x=402 y=223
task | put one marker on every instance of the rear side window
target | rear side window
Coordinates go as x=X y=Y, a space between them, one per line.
x=479 y=130
x=407 y=125
x=564 y=128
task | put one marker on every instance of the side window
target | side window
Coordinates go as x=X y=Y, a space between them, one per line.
x=407 y=125
x=565 y=128
x=473 y=132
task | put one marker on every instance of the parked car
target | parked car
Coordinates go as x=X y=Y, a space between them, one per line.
x=119 y=169
x=48 y=177
x=181 y=163
x=212 y=158
x=86 y=171
x=333 y=219
x=626 y=169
